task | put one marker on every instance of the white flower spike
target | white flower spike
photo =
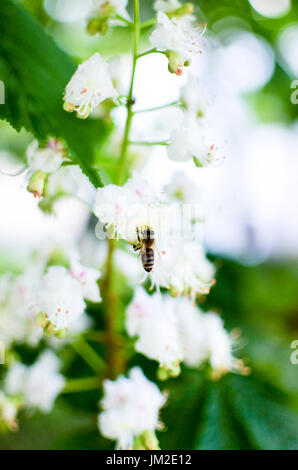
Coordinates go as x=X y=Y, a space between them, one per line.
x=90 y=85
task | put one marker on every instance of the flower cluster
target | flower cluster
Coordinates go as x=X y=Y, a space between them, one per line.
x=124 y=209
x=42 y=162
x=37 y=385
x=131 y=411
x=90 y=85
x=174 y=330
x=179 y=38
x=51 y=298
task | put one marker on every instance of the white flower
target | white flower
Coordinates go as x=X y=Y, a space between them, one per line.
x=88 y=278
x=203 y=337
x=38 y=384
x=194 y=97
x=190 y=140
x=152 y=320
x=219 y=343
x=90 y=85
x=192 y=332
x=63 y=181
x=119 y=69
x=19 y=309
x=60 y=297
x=178 y=37
x=183 y=268
x=126 y=208
x=166 y=5
x=8 y=412
x=68 y=11
x=183 y=189
x=48 y=159
x=131 y=406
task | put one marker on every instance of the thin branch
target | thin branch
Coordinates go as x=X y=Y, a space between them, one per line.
x=89 y=355
x=157 y=108
x=148 y=23
x=81 y=385
x=150 y=144
x=151 y=51
x=124 y=20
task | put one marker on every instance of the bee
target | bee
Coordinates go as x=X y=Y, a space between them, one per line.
x=146 y=245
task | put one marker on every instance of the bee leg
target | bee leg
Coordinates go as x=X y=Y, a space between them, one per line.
x=138 y=235
x=136 y=247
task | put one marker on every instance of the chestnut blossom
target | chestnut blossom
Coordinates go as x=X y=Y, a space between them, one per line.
x=192 y=332
x=178 y=38
x=219 y=344
x=152 y=320
x=171 y=330
x=88 y=278
x=18 y=308
x=39 y=384
x=194 y=98
x=130 y=407
x=60 y=299
x=182 y=188
x=203 y=337
x=123 y=209
x=190 y=140
x=89 y=86
x=183 y=268
x=47 y=159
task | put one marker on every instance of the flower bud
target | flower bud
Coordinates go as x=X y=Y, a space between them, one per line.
x=36 y=183
x=175 y=62
x=68 y=107
x=197 y=162
x=41 y=320
x=146 y=441
x=93 y=26
x=164 y=373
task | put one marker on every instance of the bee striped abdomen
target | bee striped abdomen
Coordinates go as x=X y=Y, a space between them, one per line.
x=148 y=259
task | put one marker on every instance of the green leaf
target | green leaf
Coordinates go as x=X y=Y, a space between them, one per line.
x=35 y=72
x=268 y=422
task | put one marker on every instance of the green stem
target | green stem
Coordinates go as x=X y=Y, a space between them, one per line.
x=89 y=355
x=121 y=18
x=81 y=385
x=157 y=108
x=130 y=100
x=114 y=357
x=151 y=51
x=148 y=23
x=150 y=144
